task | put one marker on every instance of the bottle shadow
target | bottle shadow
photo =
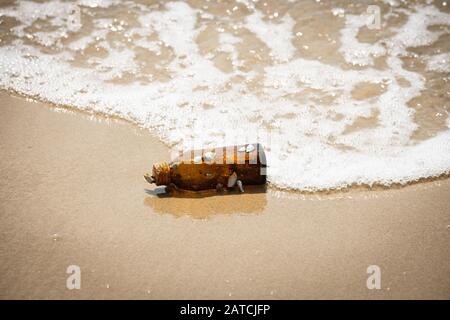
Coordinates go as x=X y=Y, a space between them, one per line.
x=161 y=193
x=205 y=203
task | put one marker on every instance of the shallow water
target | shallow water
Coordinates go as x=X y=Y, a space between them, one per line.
x=335 y=98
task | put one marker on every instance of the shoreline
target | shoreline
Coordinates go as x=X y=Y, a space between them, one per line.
x=116 y=118
x=72 y=193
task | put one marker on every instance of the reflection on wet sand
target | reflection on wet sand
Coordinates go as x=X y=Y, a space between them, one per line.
x=203 y=204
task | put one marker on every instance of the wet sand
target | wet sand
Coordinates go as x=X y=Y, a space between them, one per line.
x=72 y=193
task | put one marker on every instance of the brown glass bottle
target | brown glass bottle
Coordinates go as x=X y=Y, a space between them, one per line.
x=213 y=168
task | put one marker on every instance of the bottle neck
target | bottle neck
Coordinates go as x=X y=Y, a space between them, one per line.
x=161 y=174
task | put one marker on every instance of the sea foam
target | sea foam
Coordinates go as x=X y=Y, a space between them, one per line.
x=204 y=74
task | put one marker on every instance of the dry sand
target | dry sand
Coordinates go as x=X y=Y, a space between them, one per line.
x=72 y=193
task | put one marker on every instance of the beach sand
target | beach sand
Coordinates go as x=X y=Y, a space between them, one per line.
x=72 y=193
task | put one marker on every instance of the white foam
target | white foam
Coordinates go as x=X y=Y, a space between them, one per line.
x=340 y=12
x=200 y=105
x=416 y=31
x=276 y=35
x=439 y=62
x=97 y=3
x=355 y=52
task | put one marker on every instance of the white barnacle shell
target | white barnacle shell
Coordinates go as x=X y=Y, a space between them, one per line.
x=198 y=159
x=209 y=156
x=239 y=184
x=232 y=180
x=249 y=148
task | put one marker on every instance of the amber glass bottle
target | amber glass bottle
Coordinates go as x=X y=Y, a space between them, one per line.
x=213 y=168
